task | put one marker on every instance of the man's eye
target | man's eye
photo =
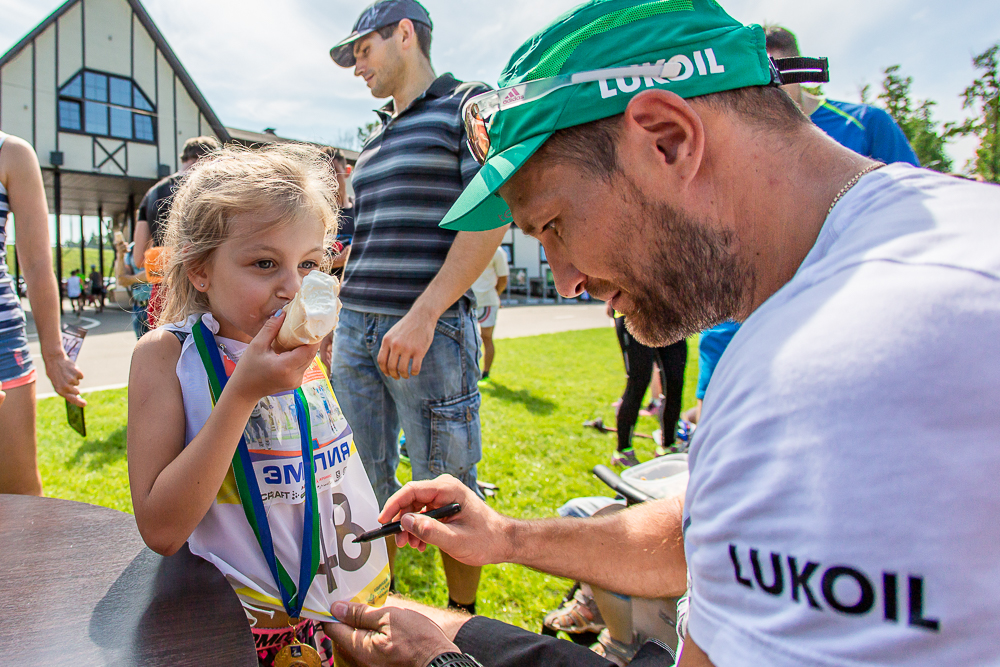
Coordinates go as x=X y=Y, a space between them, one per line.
x=264 y=264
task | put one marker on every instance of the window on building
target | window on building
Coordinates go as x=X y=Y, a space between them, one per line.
x=106 y=105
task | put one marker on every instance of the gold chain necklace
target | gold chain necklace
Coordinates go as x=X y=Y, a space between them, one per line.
x=851 y=183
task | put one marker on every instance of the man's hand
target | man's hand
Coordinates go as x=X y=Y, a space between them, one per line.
x=475 y=536
x=405 y=343
x=408 y=341
x=390 y=636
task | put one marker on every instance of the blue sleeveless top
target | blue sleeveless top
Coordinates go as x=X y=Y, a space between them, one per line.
x=10 y=307
x=15 y=359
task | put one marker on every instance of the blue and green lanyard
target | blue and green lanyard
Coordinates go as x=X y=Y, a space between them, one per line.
x=249 y=490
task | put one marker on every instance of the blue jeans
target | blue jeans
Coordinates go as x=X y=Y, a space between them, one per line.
x=438 y=410
x=139 y=324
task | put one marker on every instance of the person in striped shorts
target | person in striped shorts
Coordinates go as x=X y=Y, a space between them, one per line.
x=23 y=194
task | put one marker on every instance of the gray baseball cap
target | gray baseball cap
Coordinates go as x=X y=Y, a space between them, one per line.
x=378 y=15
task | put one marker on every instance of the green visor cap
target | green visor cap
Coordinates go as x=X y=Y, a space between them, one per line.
x=714 y=51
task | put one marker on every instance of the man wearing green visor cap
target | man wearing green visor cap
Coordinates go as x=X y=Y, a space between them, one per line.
x=843 y=477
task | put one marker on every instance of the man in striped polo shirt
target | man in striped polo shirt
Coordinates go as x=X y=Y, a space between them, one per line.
x=406 y=351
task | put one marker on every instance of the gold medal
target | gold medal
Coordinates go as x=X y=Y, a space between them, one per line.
x=297 y=654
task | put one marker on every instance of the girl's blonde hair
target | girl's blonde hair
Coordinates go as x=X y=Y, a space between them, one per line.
x=292 y=182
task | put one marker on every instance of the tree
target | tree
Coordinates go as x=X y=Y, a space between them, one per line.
x=345 y=138
x=864 y=93
x=366 y=130
x=984 y=96
x=914 y=118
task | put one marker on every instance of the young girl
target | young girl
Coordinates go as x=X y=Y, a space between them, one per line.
x=22 y=194
x=233 y=448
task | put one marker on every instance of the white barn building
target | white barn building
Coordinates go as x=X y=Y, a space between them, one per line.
x=99 y=93
x=107 y=105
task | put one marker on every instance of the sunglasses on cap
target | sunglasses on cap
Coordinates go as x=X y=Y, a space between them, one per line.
x=478 y=112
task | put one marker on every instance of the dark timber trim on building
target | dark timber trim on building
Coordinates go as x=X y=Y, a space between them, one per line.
x=161 y=44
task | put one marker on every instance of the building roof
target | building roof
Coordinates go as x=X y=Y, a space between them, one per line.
x=268 y=136
x=161 y=44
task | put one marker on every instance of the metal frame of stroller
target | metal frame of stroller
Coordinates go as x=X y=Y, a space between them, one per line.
x=628 y=618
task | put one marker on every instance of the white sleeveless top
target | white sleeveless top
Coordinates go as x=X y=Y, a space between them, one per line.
x=347 y=504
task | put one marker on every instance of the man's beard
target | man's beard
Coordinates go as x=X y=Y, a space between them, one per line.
x=692 y=278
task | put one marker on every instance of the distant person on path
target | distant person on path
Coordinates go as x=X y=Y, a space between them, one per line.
x=407 y=345
x=74 y=290
x=639 y=362
x=97 y=290
x=488 y=288
x=22 y=194
x=151 y=219
x=131 y=277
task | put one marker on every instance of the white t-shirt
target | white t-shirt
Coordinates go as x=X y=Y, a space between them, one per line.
x=850 y=441
x=485 y=287
x=73 y=287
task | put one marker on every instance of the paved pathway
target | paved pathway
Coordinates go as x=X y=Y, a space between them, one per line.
x=107 y=350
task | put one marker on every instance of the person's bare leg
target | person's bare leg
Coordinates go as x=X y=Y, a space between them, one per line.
x=655 y=387
x=19 y=472
x=463 y=580
x=487 y=333
x=617 y=614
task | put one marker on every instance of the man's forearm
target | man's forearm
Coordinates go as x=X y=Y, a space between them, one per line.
x=143 y=240
x=467 y=259
x=646 y=541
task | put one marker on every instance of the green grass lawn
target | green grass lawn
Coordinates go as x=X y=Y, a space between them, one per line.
x=534 y=448
x=71 y=259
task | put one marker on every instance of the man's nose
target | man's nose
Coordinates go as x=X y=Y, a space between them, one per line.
x=569 y=280
x=357 y=68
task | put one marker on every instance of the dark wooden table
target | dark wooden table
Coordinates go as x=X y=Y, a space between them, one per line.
x=78 y=587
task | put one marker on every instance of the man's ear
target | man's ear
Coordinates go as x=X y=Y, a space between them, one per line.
x=407 y=34
x=667 y=131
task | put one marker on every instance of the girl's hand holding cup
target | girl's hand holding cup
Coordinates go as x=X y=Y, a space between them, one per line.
x=263 y=372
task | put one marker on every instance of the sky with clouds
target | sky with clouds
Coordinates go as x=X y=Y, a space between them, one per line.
x=262 y=63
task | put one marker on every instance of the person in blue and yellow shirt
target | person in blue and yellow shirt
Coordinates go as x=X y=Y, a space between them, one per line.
x=864 y=129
